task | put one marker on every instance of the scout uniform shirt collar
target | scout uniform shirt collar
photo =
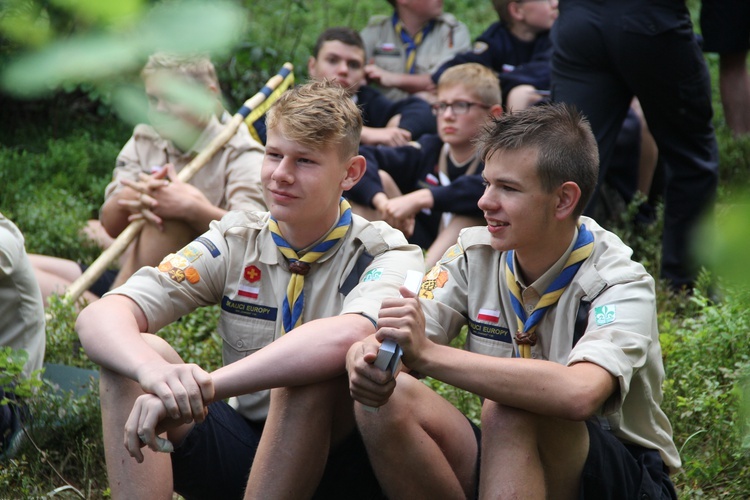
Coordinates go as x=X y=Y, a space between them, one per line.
x=212 y=130
x=533 y=292
x=270 y=254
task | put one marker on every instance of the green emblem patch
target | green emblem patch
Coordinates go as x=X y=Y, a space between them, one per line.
x=604 y=314
x=373 y=274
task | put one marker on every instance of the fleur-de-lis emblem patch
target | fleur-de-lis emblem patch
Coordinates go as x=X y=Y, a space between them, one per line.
x=604 y=314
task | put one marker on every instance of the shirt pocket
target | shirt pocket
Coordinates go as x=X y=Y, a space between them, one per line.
x=243 y=336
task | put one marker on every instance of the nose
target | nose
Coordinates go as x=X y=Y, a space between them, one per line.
x=283 y=172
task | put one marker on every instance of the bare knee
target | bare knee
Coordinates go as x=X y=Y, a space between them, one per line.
x=498 y=418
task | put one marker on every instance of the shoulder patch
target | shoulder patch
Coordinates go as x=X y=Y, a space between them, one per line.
x=436 y=277
x=451 y=254
x=605 y=314
x=480 y=47
x=373 y=274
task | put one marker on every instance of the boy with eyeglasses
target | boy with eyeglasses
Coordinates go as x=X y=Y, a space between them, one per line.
x=430 y=192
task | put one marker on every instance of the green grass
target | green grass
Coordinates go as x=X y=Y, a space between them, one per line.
x=57 y=155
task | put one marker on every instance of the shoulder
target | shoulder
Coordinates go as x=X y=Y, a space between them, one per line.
x=11 y=244
x=378 y=21
x=376 y=236
x=146 y=133
x=613 y=261
x=241 y=222
x=449 y=20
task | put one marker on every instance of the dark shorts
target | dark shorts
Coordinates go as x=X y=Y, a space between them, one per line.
x=215 y=458
x=614 y=470
x=104 y=283
x=725 y=25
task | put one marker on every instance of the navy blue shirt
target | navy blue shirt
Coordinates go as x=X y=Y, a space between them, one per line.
x=516 y=61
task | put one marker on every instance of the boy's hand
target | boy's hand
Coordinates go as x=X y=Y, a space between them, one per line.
x=141 y=427
x=384 y=78
x=402 y=320
x=387 y=136
x=368 y=384
x=184 y=389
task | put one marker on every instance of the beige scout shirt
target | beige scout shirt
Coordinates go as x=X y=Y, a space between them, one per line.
x=383 y=46
x=21 y=306
x=468 y=287
x=230 y=180
x=237 y=264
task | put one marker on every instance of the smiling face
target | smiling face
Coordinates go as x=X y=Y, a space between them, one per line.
x=302 y=186
x=520 y=213
x=340 y=63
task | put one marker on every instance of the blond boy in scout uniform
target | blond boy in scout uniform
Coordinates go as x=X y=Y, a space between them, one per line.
x=579 y=414
x=414 y=40
x=145 y=184
x=296 y=286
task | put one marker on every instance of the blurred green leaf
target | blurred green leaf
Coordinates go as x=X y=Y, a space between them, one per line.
x=102 y=11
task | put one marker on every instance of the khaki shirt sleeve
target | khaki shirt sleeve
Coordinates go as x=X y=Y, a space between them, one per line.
x=385 y=273
x=243 y=187
x=127 y=166
x=193 y=277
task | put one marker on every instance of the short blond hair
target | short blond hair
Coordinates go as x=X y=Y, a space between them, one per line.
x=195 y=67
x=476 y=78
x=318 y=114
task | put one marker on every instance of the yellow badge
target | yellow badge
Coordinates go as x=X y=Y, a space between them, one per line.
x=177 y=274
x=480 y=47
x=190 y=252
x=437 y=277
x=451 y=253
x=179 y=261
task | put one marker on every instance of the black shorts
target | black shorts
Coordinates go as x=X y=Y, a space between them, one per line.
x=215 y=458
x=725 y=26
x=615 y=470
x=103 y=283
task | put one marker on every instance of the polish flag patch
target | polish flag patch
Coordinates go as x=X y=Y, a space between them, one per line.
x=488 y=315
x=248 y=291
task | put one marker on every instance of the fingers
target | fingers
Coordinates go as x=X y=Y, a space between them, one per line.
x=140 y=428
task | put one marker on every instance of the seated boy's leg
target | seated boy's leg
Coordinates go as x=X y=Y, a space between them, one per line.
x=152 y=245
x=419 y=444
x=304 y=425
x=614 y=469
x=529 y=455
x=128 y=478
x=214 y=459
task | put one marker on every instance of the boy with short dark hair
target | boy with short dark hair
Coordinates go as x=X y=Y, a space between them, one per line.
x=562 y=341
x=339 y=56
x=297 y=286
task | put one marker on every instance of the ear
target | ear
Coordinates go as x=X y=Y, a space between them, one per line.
x=514 y=10
x=496 y=110
x=355 y=169
x=311 y=67
x=568 y=195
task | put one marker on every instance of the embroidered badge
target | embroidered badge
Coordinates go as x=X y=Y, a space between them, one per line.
x=249 y=310
x=250 y=292
x=192 y=275
x=210 y=245
x=190 y=252
x=451 y=254
x=373 y=275
x=488 y=315
x=604 y=314
x=165 y=264
x=251 y=274
x=179 y=261
x=177 y=275
x=437 y=277
x=480 y=47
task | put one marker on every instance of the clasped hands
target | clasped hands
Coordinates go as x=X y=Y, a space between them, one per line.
x=176 y=394
x=401 y=320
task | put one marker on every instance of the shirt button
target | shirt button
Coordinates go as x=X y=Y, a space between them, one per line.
x=240 y=344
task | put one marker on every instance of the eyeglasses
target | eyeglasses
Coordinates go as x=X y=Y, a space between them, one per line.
x=457 y=107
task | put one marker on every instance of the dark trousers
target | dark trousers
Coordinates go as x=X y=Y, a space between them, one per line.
x=606 y=52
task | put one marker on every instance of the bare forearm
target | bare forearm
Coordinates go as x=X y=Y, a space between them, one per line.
x=541 y=387
x=202 y=215
x=113 y=217
x=311 y=353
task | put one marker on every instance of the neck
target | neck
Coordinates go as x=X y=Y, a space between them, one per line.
x=411 y=22
x=523 y=32
x=302 y=236
x=534 y=262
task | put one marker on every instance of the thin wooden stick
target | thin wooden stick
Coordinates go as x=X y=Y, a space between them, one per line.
x=127 y=236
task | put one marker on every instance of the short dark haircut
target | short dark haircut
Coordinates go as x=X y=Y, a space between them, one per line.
x=566 y=147
x=341 y=34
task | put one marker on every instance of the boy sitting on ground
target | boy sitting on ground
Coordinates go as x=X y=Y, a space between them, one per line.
x=430 y=192
x=297 y=286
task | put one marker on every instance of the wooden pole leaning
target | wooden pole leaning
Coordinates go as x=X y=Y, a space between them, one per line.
x=127 y=236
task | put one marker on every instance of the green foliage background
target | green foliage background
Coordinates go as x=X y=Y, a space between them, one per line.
x=57 y=152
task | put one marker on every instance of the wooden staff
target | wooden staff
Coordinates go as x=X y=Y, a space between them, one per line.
x=131 y=231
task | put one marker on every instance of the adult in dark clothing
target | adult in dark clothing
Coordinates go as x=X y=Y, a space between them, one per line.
x=606 y=52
